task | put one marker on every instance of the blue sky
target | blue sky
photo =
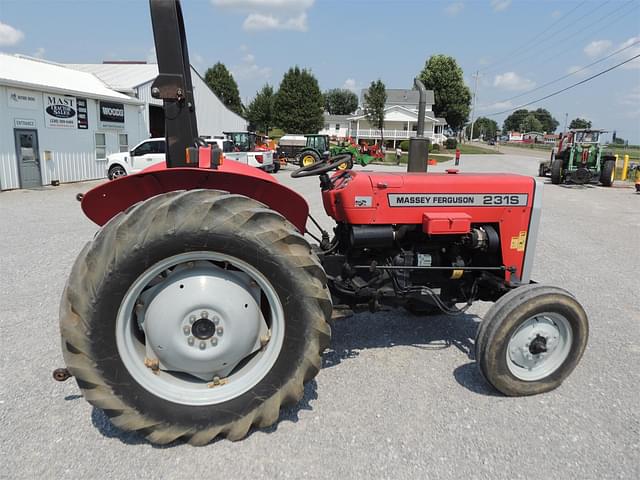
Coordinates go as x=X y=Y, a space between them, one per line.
x=516 y=45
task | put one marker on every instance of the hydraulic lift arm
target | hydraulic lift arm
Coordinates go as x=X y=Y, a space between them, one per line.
x=173 y=84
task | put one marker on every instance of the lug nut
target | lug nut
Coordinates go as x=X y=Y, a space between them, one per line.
x=204 y=314
x=214 y=341
x=190 y=340
x=219 y=331
x=216 y=320
x=186 y=329
x=203 y=345
x=192 y=318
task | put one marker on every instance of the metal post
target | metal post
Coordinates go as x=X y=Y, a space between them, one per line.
x=625 y=167
x=475 y=96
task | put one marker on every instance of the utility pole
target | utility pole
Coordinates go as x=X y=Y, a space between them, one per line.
x=475 y=97
x=566 y=118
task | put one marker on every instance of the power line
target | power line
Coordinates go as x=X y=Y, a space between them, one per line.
x=564 y=89
x=567 y=75
x=535 y=37
x=572 y=36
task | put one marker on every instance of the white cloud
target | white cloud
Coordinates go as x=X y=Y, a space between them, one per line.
x=260 y=21
x=513 y=81
x=597 y=47
x=351 y=84
x=492 y=107
x=270 y=14
x=577 y=68
x=500 y=5
x=249 y=69
x=39 y=53
x=632 y=52
x=9 y=35
x=454 y=9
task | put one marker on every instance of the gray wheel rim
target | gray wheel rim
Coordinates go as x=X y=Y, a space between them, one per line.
x=188 y=385
x=558 y=336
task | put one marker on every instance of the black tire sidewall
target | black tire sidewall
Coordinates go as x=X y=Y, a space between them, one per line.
x=285 y=279
x=493 y=354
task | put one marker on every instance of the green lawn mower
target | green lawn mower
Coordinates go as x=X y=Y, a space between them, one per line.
x=581 y=158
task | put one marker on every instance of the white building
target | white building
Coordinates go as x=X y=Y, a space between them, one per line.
x=400 y=120
x=338 y=127
x=135 y=79
x=58 y=124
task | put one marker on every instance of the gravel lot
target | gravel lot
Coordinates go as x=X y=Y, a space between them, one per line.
x=398 y=397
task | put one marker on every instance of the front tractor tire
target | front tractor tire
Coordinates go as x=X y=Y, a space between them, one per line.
x=556 y=171
x=195 y=314
x=607 y=175
x=531 y=339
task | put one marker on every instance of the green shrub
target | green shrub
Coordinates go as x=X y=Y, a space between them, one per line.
x=404 y=145
x=434 y=147
x=451 y=143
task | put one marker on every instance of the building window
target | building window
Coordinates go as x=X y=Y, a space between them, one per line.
x=337 y=126
x=327 y=126
x=123 y=138
x=101 y=146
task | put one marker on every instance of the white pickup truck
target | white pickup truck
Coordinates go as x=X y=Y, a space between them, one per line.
x=152 y=151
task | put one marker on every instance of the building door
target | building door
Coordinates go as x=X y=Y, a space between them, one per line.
x=28 y=158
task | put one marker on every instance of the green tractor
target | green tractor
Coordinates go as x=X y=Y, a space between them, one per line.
x=318 y=148
x=581 y=158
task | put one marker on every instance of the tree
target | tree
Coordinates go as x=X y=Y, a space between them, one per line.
x=484 y=127
x=579 y=123
x=339 y=101
x=221 y=82
x=531 y=124
x=260 y=110
x=299 y=104
x=549 y=124
x=374 y=100
x=514 y=121
x=442 y=74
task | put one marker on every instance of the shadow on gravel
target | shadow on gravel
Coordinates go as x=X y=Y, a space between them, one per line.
x=287 y=414
x=365 y=330
x=397 y=327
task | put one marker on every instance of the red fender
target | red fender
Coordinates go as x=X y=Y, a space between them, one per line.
x=107 y=200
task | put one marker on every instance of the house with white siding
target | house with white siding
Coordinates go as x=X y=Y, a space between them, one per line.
x=400 y=120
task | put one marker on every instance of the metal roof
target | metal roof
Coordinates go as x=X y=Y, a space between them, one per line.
x=54 y=78
x=121 y=77
x=401 y=96
x=336 y=118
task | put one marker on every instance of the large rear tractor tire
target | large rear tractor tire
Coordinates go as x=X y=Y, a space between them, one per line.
x=607 y=175
x=531 y=340
x=556 y=171
x=195 y=314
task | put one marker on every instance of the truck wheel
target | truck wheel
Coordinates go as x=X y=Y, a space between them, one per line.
x=309 y=158
x=531 y=340
x=607 y=175
x=116 y=172
x=195 y=314
x=556 y=171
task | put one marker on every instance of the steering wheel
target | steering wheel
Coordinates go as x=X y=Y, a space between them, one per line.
x=321 y=167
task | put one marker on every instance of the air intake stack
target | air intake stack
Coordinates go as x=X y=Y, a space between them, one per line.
x=418 y=145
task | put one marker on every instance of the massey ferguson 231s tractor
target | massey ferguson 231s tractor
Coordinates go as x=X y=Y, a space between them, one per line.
x=199 y=308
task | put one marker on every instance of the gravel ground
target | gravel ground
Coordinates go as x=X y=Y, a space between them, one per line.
x=398 y=397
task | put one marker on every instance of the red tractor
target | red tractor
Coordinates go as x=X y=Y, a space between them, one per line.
x=199 y=308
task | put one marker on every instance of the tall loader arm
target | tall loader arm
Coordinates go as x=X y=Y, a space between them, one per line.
x=173 y=84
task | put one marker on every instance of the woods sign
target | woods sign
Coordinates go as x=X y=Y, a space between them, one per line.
x=111 y=115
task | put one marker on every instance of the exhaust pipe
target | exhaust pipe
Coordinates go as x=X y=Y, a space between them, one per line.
x=418 y=145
